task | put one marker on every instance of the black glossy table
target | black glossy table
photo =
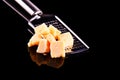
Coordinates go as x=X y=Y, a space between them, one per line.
x=18 y=62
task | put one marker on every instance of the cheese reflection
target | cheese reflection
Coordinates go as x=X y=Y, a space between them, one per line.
x=40 y=59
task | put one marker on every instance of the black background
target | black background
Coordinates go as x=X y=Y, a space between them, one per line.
x=80 y=16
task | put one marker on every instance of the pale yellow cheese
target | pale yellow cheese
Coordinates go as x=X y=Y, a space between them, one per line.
x=50 y=38
x=57 y=49
x=34 y=40
x=43 y=46
x=67 y=39
x=42 y=29
x=54 y=31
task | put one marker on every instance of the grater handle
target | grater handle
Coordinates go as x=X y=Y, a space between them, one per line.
x=25 y=8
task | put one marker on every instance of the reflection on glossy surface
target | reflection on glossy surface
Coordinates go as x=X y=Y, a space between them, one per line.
x=40 y=59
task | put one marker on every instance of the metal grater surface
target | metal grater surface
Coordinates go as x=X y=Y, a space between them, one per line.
x=34 y=16
x=79 y=45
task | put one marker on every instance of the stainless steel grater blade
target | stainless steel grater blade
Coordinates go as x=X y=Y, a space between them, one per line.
x=34 y=16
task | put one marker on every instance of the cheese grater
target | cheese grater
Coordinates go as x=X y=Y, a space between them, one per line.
x=34 y=16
